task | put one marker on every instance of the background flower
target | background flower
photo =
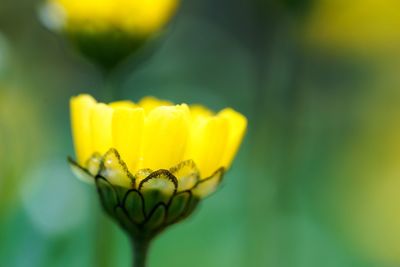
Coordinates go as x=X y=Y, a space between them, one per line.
x=108 y=31
x=138 y=17
x=359 y=25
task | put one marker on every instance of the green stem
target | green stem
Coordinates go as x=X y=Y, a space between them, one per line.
x=140 y=251
x=104 y=235
x=109 y=86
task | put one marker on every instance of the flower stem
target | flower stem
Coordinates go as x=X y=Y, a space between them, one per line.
x=109 y=90
x=140 y=251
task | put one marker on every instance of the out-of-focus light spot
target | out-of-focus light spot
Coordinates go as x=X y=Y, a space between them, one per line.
x=55 y=201
x=365 y=192
x=52 y=16
x=361 y=26
x=18 y=147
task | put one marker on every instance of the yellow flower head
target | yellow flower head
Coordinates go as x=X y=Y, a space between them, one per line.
x=358 y=25
x=140 y=17
x=107 y=32
x=154 y=134
x=152 y=161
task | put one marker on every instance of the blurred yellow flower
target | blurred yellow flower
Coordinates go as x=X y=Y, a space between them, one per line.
x=139 y=17
x=361 y=25
x=108 y=31
x=365 y=192
x=155 y=134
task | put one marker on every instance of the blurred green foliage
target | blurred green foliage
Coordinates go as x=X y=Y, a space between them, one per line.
x=316 y=182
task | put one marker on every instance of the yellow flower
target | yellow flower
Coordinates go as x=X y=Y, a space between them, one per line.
x=108 y=31
x=152 y=161
x=359 y=25
x=139 y=17
x=155 y=134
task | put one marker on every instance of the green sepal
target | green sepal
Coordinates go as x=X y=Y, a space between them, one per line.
x=191 y=207
x=209 y=185
x=178 y=206
x=107 y=48
x=108 y=195
x=114 y=169
x=156 y=218
x=134 y=206
x=188 y=175
x=124 y=221
x=93 y=164
x=158 y=187
x=145 y=209
x=80 y=172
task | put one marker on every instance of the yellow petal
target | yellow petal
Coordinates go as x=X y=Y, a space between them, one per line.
x=81 y=107
x=200 y=111
x=237 y=129
x=101 y=118
x=127 y=132
x=207 y=143
x=123 y=104
x=139 y=17
x=150 y=15
x=165 y=136
x=149 y=103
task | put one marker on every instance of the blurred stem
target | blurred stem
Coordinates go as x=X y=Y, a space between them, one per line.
x=111 y=89
x=104 y=242
x=140 y=249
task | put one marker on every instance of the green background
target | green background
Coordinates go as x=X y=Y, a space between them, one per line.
x=316 y=182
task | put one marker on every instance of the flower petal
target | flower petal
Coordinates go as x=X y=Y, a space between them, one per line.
x=123 y=104
x=165 y=136
x=200 y=111
x=207 y=143
x=149 y=103
x=81 y=107
x=101 y=118
x=237 y=129
x=127 y=132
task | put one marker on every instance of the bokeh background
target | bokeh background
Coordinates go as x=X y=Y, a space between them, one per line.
x=316 y=183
